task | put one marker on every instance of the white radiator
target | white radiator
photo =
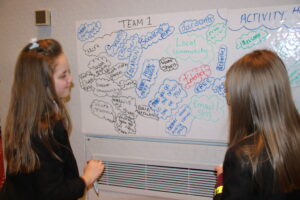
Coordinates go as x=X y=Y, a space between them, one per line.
x=158 y=168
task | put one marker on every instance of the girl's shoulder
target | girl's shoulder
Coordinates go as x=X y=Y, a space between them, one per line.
x=242 y=150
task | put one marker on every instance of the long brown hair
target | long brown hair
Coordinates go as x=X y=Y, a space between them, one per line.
x=34 y=106
x=261 y=105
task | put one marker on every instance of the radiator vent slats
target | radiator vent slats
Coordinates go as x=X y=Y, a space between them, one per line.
x=177 y=180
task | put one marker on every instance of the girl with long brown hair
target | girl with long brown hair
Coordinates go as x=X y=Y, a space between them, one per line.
x=262 y=160
x=40 y=161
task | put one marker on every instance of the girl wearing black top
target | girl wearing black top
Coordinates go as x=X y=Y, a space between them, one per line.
x=40 y=161
x=262 y=160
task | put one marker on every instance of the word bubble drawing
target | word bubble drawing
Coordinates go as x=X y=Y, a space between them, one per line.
x=99 y=66
x=251 y=39
x=222 y=57
x=125 y=124
x=128 y=47
x=87 y=31
x=216 y=33
x=127 y=84
x=99 y=45
x=125 y=48
x=125 y=104
x=114 y=47
x=180 y=125
x=218 y=86
x=148 y=77
x=192 y=76
x=105 y=87
x=162 y=32
x=145 y=111
x=203 y=85
x=191 y=47
x=168 y=64
x=86 y=81
x=196 y=24
x=208 y=108
x=103 y=110
x=117 y=71
x=133 y=62
x=168 y=97
x=93 y=48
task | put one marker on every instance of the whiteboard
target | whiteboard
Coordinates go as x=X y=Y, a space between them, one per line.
x=162 y=75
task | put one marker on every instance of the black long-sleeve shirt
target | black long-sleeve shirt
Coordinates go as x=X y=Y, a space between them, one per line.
x=54 y=180
x=239 y=183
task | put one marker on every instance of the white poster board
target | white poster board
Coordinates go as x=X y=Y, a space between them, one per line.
x=162 y=76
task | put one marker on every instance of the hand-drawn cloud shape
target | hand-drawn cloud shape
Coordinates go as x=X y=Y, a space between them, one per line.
x=208 y=108
x=191 y=25
x=251 y=39
x=87 y=31
x=125 y=104
x=103 y=110
x=86 y=80
x=160 y=33
x=103 y=87
x=117 y=71
x=190 y=78
x=190 y=47
x=127 y=84
x=216 y=33
x=145 y=111
x=168 y=64
x=204 y=85
x=93 y=48
x=99 y=66
x=97 y=46
x=125 y=124
x=218 y=86
x=118 y=45
x=168 y=97
x=222 y=57
x=181 y=123
x=148 y=77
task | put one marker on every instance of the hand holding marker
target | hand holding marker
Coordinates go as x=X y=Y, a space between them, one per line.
x=92 y=171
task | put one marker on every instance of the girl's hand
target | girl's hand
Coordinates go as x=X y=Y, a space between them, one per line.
x=92 y=171
x=219 y=169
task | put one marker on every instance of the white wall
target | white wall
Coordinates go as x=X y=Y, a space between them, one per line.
x=17 y=28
